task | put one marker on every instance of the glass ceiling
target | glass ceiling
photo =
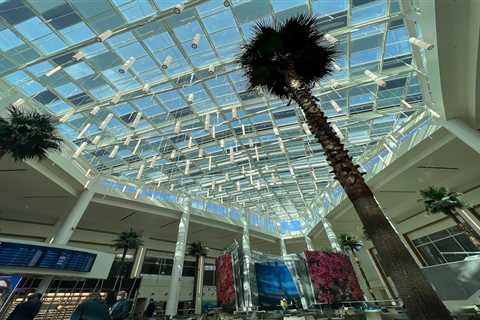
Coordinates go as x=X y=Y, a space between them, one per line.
x=181 y=118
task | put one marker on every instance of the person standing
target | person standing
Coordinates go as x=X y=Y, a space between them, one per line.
x=27 y=310
x=150 y=310
x=91 y=309
x=121 y=308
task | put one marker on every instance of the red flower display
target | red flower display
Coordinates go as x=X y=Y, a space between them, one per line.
x=225 y=281
x=333 y=277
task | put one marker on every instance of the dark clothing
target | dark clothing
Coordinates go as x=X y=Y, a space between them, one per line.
x=25 y=311
x=150 y=310
x=120 y=310
x=110 y=299
x=91 y=310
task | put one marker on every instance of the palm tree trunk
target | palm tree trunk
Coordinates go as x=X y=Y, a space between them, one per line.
x=467 y=228
x=195 y=277
x=199 y=284
x=421 y=301
x=364 y=276
x=120 y=267
x=2 y=152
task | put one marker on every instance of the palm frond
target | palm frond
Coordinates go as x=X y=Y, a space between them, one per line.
x=28 y=134
x=197 y=249
x=439 y=199
x=276 y=49
x=350 y=243
x=128 y=240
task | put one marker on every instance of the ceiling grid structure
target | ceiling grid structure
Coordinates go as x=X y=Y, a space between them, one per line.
x=182 y=117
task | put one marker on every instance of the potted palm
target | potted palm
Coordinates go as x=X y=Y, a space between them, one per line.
x=28 y=135
x=199 y=251
x=287 y=60
x=440 y=200
x=351 y=245
x=125 y=241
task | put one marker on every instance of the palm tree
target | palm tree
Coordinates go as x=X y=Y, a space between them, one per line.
x=440 y=200
x=125 y=241
x=350 y=244
x=28 y=135
x=287 y=59
x=199 y=251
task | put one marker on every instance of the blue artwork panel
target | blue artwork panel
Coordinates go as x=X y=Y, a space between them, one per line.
x=275 y=282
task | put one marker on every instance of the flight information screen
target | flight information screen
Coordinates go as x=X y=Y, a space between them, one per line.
x=33 y=256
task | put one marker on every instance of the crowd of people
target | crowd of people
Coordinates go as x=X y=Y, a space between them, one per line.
x=95 y=307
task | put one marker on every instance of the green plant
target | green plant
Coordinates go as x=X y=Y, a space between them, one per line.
x=28 y=135
x=287 y=59
x=125 y=241
x=441 y=200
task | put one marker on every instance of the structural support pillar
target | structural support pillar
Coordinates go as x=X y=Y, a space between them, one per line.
x=464 y=132
x=309 y=243
x=67 y=227
x=332 y=238
x=247 y=262
x=180 y=247
x=283 y=247
x=138 y=262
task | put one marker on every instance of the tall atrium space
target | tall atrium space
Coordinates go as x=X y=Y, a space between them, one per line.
x=239 y=159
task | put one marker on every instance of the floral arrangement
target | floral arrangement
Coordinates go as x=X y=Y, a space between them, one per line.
x=225 y=282
x=333 y=277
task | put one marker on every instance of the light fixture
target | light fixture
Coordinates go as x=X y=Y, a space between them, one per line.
x=167 y=62
x=275 y=130
x=95 y=110
x=96 y=140
x=140 y=171
x=336 y=67
x=173 y=154
x=178 y=127
x=244 y=132
x=187 y=167
x=79 y=150
x=190 y=98
x=116 y=98
x=256 y=154
x=87 y=126
x=206 y=122
x=53 y=71
x=234 y=113
x=238 y=186
x=334 y=84
x=179 y=8
x=137 y=119
x=406 y=104
x=200 y=152
x=211 y=68
x=232 y=155
x=79 y=56
x=190 y=142
x=226 y=3
x=19 y=102
x=306 y=128
x=104 y=35
x=106 y=121
x=114 y=152
x=374 y=77
x=196 y=40
x=127 y=141
x=124 y=68
x=213 y=132
x=420 y=43
x=152 y=163
x=222 y=143
x=337 y=131
x=330 y=38
x=209 y=163
x=291 y=170
x=66 y=116
x=137 y=193
x=137 y=146
x=146 y=87
x=335 y=106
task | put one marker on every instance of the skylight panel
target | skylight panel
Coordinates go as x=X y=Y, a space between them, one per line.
x=134 y=10
x=77 y=33
x=79 y=70
x=324 y=8
x=8 y=40
x=368 y=11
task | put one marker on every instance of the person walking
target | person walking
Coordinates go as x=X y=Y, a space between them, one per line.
x=93 y=308
x=121 y=308
x=150 y=310
x=27 y=310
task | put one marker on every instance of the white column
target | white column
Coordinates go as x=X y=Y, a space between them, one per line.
x=309 y=243
x=181 y=245
x=464 y=132
x=247 y=260
x=332 y=238
x=66 y=228
x=138 y=262
x=283 y=247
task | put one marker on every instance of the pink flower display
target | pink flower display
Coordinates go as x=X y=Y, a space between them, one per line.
x=225 y=282
x=333 y=277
